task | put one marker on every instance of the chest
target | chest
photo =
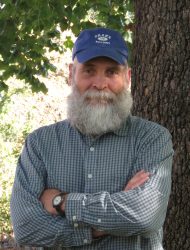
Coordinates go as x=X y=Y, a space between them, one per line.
x=90 y=166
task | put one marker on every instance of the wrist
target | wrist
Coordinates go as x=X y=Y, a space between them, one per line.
x=63 y=205
x=98 y=234
x=58 y=202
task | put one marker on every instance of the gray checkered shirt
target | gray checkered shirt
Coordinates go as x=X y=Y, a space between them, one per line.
x=94 y=171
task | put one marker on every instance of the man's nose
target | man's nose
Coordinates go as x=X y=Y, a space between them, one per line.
x=100 y=82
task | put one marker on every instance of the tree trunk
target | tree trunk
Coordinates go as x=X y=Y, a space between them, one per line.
x=161 y=91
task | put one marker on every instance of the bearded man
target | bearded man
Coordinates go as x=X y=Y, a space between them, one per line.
x=100 y=179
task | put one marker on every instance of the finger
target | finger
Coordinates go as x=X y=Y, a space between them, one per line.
x=141 y=172
x=140 y=178
x=140 y=181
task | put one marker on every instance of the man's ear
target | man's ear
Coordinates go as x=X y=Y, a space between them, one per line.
x=70 y=74
x=128 y=75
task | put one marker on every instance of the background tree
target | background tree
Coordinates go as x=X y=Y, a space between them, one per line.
x=161 y=90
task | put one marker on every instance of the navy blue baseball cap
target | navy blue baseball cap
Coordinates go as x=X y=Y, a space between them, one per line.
x=98 y=42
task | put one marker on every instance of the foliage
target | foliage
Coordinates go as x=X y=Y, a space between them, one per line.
x=22 y=111
x=11 y=139
x=28 y=28
x=29 y=32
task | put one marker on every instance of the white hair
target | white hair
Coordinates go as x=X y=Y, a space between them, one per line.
x=108 y=114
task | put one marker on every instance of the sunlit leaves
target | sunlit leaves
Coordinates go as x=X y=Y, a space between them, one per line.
x=29 y=28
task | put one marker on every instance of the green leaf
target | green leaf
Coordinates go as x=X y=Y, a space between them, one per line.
x=68 y=43
x=3 y=86
x=37 y=85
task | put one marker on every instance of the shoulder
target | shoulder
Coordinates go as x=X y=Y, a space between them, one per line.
x=62 y=125
x=148 y=130
x=49 y=132
x=146 y=125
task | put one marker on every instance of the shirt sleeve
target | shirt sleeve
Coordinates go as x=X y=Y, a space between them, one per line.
x=138 y=211
x=32 y=225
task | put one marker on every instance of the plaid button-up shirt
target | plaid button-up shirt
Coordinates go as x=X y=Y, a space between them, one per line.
x=94 y=171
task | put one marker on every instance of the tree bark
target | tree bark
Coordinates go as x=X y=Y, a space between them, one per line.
x=161 y=91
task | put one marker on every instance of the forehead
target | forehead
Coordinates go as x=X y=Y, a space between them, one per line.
x=103 y=61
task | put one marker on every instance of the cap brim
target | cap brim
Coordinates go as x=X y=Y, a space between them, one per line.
x=86 y=55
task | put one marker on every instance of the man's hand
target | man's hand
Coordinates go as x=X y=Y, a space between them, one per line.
x=97 y=234
x=46 y=199
x=137 y=180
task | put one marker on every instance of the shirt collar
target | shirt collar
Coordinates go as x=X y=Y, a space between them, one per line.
x=122 y=131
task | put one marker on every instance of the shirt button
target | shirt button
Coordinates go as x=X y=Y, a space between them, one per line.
x=90 y=176
x=85 y=241
x=76 y=224
x=74 y=217
x=91 y=149
x=99 y=220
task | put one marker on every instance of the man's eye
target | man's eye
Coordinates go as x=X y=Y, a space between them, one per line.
x=112 y=72
x=88 y=71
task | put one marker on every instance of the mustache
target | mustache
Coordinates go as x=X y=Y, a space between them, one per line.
x=99 y=96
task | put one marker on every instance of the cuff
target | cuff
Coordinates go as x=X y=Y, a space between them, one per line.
x=82 y=236
x=73 y=207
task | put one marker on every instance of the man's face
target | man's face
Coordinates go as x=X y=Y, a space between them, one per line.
x=100 y=100
x=101 y=74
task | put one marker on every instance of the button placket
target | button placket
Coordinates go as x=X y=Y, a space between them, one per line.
x=89 y=166
x=74 y=217
x=89 y=176
x=91 y=149
x=85 y=241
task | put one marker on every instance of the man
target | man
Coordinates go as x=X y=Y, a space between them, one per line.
x=101 y=179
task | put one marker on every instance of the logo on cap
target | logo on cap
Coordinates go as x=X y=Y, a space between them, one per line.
x=103 y=38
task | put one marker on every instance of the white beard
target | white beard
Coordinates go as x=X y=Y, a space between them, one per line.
x=97 y=112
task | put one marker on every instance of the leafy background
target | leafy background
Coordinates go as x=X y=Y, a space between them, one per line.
x=29 y=28
x=35 y=41
x=21 y=112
